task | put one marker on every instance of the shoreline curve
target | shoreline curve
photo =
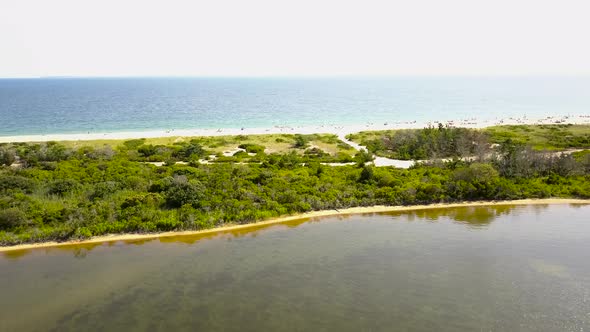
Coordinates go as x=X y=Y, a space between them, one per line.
x=289 y=129
x=278 y=220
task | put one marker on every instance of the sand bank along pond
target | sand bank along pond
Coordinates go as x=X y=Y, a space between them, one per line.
x=473 y=267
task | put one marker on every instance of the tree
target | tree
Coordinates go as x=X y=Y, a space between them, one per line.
x=191 y=149
x=476 y=172
x=15 y=182
x=12 y=217
x=363 y=157
x=63 y=186
x=182 y=192
x=367 y=174
x=147 y=150
x=7 y=156
x=252 y=148
x=300 y=142
x=476 y=181
x=585 y=163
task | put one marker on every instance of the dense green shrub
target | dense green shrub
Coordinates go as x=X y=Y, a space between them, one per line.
x=78 y=195
x=252 y=148
x=182 y=192
x=301 y=141
x=13 y=217
x=367 y=174
x=363 y=157
x=61 y=187
x=147 y=150
x=7 y=156
x=104 y=189
x=427 y=143
x=16 y=182
x=190 y=150
x=134 y=143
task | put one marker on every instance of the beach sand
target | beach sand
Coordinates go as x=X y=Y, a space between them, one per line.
x=313 y=214
x=341 y=131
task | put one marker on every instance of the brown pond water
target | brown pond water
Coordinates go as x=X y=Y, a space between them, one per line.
x=501 y=268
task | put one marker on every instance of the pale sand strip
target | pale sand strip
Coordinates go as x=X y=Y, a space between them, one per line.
x=313 y=214
x=340 y=130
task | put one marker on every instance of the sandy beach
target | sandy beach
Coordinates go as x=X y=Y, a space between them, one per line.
x=340 y=130
x=314 y=214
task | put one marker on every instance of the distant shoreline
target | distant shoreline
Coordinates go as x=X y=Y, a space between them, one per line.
x=313 y=214
x=318 y=129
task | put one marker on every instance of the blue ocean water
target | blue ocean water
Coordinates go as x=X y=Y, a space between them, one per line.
x=80 y=105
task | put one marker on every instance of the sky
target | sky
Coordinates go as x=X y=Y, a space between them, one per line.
x=293 y=38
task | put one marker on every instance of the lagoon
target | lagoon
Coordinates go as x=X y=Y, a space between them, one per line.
x=495 y=268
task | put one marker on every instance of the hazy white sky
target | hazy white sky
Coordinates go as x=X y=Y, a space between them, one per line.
x=298 y=37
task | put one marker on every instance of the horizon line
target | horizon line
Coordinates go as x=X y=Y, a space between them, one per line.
x=344 y=76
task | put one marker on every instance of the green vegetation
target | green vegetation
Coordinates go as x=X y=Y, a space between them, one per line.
x=427 y=143
x=449 y=142
x=273 y=143
x=543 y=137
x=53 y=191
x=251 y=147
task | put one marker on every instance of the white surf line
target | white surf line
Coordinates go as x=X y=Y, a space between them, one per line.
x=312 y=129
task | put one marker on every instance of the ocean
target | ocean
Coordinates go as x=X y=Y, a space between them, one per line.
x=97 y=105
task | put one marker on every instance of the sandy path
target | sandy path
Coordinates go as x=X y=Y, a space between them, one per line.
x=379 y=161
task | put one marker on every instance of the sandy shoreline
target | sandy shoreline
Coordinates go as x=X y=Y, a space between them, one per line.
x=314 y=214
x=319 y=129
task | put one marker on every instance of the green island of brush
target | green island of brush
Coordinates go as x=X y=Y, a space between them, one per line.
x=75 y=190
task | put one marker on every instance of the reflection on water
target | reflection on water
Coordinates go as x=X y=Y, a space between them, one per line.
x=79 y=250
x=496 y=268
x=470 y=216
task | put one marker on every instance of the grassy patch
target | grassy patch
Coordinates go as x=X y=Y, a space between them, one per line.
x=540 y=137
x=543 y=137
x=274 y=143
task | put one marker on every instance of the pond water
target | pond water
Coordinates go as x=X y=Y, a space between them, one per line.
x=500 y=268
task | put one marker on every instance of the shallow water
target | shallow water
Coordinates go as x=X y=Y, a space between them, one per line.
x=98 y=105
x=501 y=268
